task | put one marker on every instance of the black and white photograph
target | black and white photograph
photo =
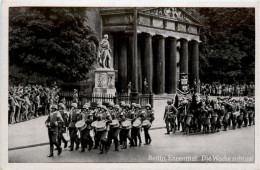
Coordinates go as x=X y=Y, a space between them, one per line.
x=131 y=84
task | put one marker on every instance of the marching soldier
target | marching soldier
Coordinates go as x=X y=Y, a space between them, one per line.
x=115 y=128
x=96 y=112
x=63 y=125
x=149 y=115
x=104 y=134
x=85 y=137
x=52 y=123
x=74 y=117
x=136 y=131
x=126 y=132
x=170 y=112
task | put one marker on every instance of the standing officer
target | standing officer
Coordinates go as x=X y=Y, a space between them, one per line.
x=170 y=112
x=73 y=118
x=52 y=123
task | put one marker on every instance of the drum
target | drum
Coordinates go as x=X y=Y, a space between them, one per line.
x=188 y=120
x=126 y=124
x=114 y=124
x=93 y=124
x=146 y=124
x=81 y=125
x=214 y=118
x=236 y=114
x=100 y=125
x=137 y=123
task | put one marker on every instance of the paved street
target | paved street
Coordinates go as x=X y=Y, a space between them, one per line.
x=164 y=148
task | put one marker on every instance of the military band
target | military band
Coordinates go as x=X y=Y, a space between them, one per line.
x=205 y=115
x=122 y=124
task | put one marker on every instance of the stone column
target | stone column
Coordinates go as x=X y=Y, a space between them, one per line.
x=135 y=66
x=122 y=65
x=148 y=59
x=172 y=65
x=184 y=56
x=195 y=62
x=160 y=65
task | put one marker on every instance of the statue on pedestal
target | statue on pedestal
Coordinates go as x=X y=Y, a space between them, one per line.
x=104 y=53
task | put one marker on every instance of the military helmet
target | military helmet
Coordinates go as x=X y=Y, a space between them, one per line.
x=74 y=105
x=54 y=106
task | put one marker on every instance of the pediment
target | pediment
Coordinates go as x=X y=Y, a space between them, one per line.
x=172 y=13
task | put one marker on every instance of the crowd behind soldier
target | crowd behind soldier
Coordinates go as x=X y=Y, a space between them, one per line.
x=27 y=102
x=100 y=127
x=194 y=115
x=227 y=89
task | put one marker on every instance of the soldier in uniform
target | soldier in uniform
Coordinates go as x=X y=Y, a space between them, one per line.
x=136 y=131
x=114 y=132
x=85 y=137
x=52 y=123
x=63 y=125
x=149 y=115
x=104 y=145
x=126 y=133
x=95 y=117
x=74 y=117
x=170 y=112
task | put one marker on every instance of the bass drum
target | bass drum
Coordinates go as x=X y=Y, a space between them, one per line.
x=137 y=123
x=146 y=124
x=114 y=124
x=126 y=124
x=93 y=124
x=101 y=125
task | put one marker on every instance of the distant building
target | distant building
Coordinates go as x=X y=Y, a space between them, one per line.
x=159 y=32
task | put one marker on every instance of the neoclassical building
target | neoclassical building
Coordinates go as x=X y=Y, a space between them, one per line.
x=155 y=44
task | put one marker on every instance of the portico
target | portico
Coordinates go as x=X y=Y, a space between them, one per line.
x=144 y=46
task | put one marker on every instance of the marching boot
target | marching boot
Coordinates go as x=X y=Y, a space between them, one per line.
x=59 y=151
x=71 y=145
x=135 y=141
x=51 y=151
x=65 y=144
x=124 y=145
x=101 y=147
x=77 y=144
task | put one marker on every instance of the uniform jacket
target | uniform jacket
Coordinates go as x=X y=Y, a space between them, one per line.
x=52 y=118
x=73 y=118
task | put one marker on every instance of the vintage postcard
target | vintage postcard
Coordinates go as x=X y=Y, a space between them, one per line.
x=129 y=85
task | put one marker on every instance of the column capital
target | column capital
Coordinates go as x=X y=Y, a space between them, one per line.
x=147 y=34
x=160 y=36
x=195 y=40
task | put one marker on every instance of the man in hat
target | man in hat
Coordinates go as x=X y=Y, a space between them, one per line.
x=52 y=123
x=63 y=125
x=170 y=112
x=73 y=118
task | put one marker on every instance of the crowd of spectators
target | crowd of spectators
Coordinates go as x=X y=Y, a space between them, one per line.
x=227 y=89
x=27 y=102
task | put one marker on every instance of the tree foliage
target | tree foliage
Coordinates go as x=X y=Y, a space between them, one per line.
x=227 y=51
x=53 y=42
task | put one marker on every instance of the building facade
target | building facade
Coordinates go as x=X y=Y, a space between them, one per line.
x=152 y=44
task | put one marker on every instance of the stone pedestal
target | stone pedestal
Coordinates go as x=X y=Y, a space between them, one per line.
x=105 y=81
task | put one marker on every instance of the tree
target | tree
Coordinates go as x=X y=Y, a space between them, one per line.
x=227 y=51
x=53 y=42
